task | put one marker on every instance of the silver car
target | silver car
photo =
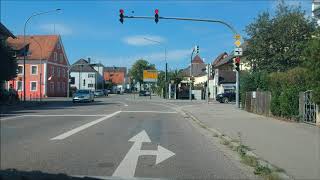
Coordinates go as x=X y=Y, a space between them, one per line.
x=83 y=95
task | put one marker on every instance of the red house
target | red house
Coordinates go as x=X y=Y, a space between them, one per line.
x=46 y=66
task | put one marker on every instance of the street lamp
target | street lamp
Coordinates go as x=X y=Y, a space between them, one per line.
x=165 y=59
x=40 y=80
x=190 y=88
x=24 y=52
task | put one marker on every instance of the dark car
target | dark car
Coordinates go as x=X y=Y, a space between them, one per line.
x=226 y=97
x=144 y=93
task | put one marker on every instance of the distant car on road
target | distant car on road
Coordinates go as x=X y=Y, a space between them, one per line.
x=105 y=92
x=83 y=95
x=144 y=93
x=98 y=93
x=226 y=97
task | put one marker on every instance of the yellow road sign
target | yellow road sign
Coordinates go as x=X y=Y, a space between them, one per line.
x=237 y=36
x=237 y=43
x=150 y=75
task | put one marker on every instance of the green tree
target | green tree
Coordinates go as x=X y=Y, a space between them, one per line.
x=312 y=63
x=277 y=43
x=8 y=68
x=136 y=71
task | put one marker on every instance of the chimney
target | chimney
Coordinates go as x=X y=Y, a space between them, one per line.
x=89 y=60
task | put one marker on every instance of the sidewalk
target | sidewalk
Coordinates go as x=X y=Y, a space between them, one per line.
x=294 y=147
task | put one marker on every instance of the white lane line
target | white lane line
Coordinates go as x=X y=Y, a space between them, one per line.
x=80 y=128
x=122 y=103
x=7 y=118
x=161 y=112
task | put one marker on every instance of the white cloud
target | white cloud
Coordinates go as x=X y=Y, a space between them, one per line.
x=141 y=40
x=56 y=28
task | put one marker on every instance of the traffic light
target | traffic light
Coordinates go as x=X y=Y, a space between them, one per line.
x=198 y=50
x=237 y=62
x=121 y=15
x=156 y=15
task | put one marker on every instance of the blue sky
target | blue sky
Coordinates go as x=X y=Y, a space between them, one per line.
x=92 y=28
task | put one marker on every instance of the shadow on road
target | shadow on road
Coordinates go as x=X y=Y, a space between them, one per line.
x=13 y=174
x=50 y=105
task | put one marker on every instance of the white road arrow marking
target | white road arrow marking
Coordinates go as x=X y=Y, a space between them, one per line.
x=128 y=165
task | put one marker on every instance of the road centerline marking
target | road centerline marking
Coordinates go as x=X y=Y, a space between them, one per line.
x=82 y=127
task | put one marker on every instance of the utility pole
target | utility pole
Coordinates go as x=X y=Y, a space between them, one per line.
x=190 y=86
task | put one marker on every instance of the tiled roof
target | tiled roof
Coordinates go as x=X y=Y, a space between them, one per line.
x=197 y=60
x=227 y=76
x=82 y=65
x=47 y=43
x=197 y=70
x=219 y=58
x=115 y=69
x=5 y=31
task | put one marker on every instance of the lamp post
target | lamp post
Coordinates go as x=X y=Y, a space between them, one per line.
x=40 y=79
x=25 y=50
x=190 y=88
x=165 y=59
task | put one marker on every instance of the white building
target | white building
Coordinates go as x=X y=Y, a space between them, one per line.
x=316 y=10
x=83 y=76
x=100 y=80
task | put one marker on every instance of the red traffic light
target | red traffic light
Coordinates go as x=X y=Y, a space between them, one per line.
x=237 y=60
x=156 y=11
x=121 y=11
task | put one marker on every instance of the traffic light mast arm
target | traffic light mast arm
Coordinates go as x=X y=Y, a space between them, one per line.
x=185 y=19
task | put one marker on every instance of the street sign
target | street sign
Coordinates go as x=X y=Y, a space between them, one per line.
x=150 y=75
x=237 y=52
x=128 y=165
x=237 y=36
x=237 y=43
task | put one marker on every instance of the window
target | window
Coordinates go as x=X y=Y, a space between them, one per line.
x=63 y=87
x=90 y=85
x=55 y=56
x=90 y=75
x=58 y=45
x=33 y=86
x=58 y=87
x=19 y=85
x=20 y=69
x=63 y=73
x=52 y=70
x=52 y=86
x=34 y=69
x=58 y=71
x=61 y=57
x=84 y=82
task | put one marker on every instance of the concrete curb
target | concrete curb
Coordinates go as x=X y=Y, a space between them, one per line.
x=234 y=145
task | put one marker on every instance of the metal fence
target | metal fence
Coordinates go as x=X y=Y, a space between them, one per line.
x=258 y=102
x=308 y=110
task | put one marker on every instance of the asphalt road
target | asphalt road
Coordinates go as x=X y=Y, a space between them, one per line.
x=92 y=139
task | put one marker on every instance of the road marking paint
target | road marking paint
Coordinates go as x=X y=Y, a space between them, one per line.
x=7 y=118
x=82 y=127
x=122 y=103
x=161 y=112
x=127 y=167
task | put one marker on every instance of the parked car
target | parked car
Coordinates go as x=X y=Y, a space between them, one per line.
x=98 y=93
x=144 y=93
x=105 y=92
x=226 y=97
x=83 y=95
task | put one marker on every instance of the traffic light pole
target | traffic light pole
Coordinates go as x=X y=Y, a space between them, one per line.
x=237 y=89
x=190 y=19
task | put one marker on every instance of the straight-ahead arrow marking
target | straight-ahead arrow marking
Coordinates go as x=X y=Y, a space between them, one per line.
x=128 y=165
